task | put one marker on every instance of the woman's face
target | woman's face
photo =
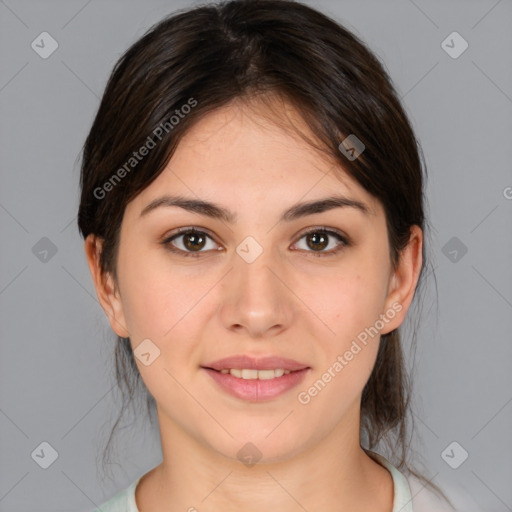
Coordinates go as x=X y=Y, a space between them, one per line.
x=256 y=285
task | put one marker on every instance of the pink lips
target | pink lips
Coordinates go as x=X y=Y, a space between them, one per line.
x=262 y=363
x=256 y=390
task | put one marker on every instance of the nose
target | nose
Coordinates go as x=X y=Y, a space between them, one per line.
x=256 y=301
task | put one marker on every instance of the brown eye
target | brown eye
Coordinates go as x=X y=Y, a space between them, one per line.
x=317 y=239
x=193 y=241
x=188 y=242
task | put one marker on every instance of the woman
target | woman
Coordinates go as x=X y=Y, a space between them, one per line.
x=252 y=209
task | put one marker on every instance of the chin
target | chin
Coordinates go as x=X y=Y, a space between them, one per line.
x=257 y=448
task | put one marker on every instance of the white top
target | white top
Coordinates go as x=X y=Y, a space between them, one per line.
x=409 y=495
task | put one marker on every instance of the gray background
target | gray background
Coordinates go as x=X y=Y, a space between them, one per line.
x=56 y=382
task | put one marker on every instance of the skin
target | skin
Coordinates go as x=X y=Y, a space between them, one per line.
x=287 y=302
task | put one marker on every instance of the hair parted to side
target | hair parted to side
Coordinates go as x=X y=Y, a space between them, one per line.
x=238 y=50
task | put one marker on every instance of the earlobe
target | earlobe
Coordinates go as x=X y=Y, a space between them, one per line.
x=404 y=280
x=106 y=291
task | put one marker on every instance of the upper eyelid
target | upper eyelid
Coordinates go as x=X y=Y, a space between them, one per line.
x=183 y=231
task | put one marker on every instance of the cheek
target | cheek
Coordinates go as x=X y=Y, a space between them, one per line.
x=351 y=308
x=170 y=309
x=155 y=297
x=349 y=305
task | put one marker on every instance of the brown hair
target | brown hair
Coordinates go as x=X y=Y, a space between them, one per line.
x=211 y=55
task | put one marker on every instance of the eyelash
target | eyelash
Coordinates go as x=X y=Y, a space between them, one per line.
x=321 y=229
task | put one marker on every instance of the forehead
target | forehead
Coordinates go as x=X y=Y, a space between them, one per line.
x=256 y=134
x=244 y=153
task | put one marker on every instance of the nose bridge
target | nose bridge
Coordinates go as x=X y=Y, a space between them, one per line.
x=256 y=299
x=253 y=263
x=252 y=271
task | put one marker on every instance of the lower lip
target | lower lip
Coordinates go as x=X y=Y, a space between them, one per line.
x=256 y=390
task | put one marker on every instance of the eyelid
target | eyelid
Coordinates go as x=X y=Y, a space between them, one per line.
x=188 y=229
x=343 y=240
x=327 y=229
x=167 y=239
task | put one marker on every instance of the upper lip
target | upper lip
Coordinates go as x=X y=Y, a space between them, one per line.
x=242 y=361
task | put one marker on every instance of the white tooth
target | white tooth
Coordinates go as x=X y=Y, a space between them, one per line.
x=266 y=374
x=249 y=374
x=226 y=370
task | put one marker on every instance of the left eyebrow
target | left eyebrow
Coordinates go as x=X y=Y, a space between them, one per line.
x=216 y=211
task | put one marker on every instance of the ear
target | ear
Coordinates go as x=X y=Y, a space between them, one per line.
x=106 y=291
x=403 y=281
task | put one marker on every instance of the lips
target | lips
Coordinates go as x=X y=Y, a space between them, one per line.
x=256 y=390
x=242 y=361
x=236 y=376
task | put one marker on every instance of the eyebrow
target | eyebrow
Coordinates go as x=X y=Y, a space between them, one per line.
x=216 y=211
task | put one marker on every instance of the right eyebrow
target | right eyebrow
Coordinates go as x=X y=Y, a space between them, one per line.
x=217 y=211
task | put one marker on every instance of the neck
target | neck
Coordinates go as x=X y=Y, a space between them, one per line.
x=334 y=474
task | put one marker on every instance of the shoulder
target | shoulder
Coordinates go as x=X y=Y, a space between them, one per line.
x=426 y=500
x=123 y=501
x=412 y=495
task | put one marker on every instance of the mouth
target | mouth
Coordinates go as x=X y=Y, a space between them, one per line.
x=256 y=385
x=253 y=374
x=246 y=362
